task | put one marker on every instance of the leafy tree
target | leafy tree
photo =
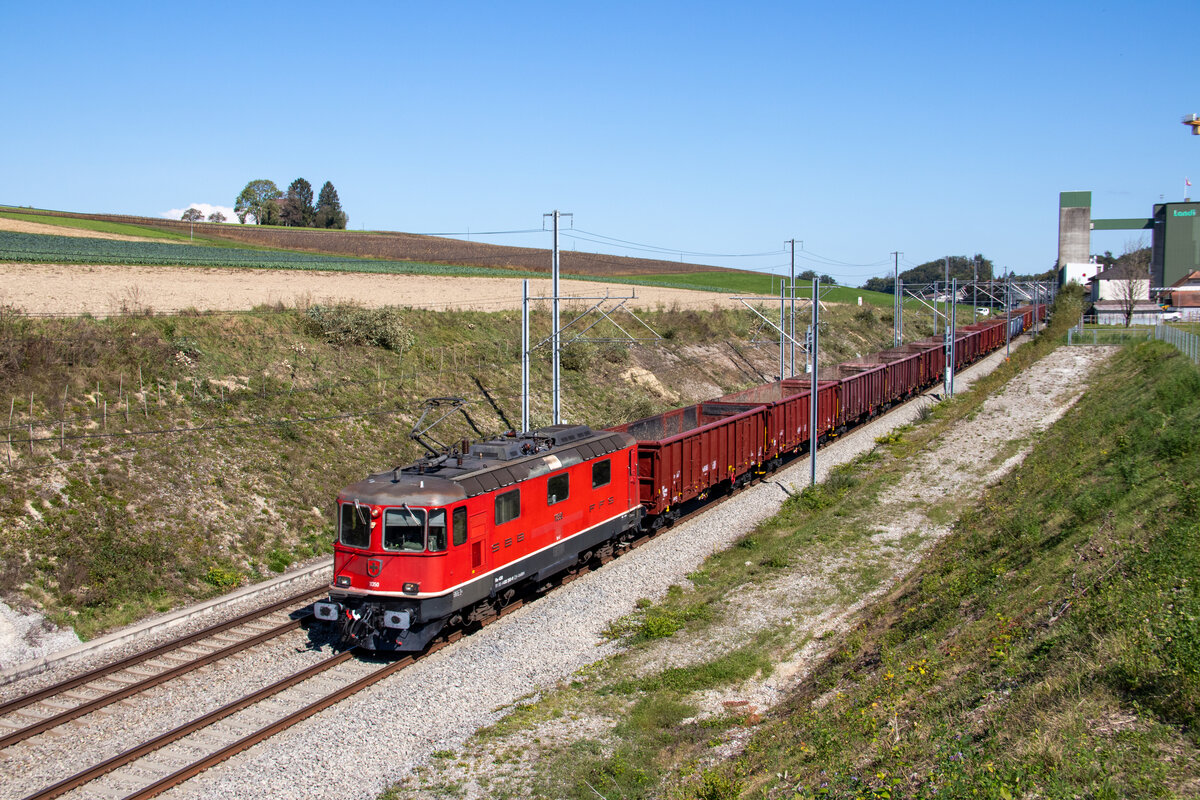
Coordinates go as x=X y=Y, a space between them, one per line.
x=809 y=274
x=259 y=200
x=329 y=209
x=216 y=216
x=297 y=208
x=192 y=215
x=961 y=267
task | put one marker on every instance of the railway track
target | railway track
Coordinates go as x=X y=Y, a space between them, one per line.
x=162 y=762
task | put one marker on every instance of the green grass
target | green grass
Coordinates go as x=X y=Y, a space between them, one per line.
x=39 y=248
x=125 y=229
x=760 y=284
x=98 y=226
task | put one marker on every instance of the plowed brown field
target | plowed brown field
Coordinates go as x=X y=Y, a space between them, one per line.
x=103 y=290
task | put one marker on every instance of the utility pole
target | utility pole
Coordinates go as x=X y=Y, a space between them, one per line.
x=975 y=292
x=524 y=355
x=897 y=304
x=946 y=319
x=782 y=331
x=1007 y=318
x=556 y=341
x=792 y=326
x=814 y=399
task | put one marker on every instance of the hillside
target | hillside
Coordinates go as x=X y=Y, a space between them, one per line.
x=154 y=460
x=395 y=246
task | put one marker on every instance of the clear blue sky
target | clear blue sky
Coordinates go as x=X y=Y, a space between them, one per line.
x=859 y=128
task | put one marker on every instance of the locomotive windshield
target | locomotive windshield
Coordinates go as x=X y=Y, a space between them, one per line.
x=404 y=529
x=356 y=526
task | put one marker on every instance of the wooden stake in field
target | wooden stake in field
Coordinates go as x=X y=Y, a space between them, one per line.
x=105 y=415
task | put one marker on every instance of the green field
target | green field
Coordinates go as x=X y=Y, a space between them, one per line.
x=762 y=284
x=121 y=228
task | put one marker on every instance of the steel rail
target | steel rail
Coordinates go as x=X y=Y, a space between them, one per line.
x=133 y=754
x=174 y=644
x=246 y=742
x=140 y=686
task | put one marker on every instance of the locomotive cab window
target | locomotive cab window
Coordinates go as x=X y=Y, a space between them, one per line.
x=356 y=526
x=508 y=506
x=557 y=488
x=601 y=473
x=459 y=519
x=437 y=530
x=404 y=529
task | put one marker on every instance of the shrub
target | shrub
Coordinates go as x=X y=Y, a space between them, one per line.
x=615 y=353
x=222 y=577
x=348 y=324
x=577 y=356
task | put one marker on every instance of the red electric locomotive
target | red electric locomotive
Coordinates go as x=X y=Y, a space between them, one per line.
x=447 y=539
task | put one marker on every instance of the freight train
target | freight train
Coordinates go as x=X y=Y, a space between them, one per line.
x=450 y=540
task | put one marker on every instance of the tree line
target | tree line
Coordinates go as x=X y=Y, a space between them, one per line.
x=196 y=215
x=262 y=200
x=964 y=268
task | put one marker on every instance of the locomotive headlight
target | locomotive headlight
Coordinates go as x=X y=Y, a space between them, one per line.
x=342 y=581
x=412 y=588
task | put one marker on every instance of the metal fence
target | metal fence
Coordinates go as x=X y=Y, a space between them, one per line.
x=1186 y=343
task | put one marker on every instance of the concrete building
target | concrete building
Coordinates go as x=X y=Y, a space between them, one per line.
x=1174 y=234
x=1176 y=248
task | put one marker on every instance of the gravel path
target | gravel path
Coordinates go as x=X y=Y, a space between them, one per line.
x=382 y=734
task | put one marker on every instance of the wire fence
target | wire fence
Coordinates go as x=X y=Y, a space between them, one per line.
x=1186 y=343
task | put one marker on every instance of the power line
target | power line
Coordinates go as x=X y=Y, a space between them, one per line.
x=577 y=233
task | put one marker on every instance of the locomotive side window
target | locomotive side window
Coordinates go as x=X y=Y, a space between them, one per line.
x=356 y=526
x=557 y=488
x=437 y=530
x=460 y=525
x=508 y=506
x=601 y=473
x=404 y=529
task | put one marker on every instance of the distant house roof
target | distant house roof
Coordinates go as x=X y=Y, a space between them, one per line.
x=1191 y=279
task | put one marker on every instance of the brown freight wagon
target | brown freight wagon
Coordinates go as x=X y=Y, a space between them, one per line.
x=903 y=373
x=685 y=453
x=788 y=412
x=863 y=390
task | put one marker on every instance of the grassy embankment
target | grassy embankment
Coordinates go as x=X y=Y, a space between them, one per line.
x=1050 y=647
x=175 y=457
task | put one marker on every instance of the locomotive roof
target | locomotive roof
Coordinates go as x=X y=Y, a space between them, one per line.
x=487 y=465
